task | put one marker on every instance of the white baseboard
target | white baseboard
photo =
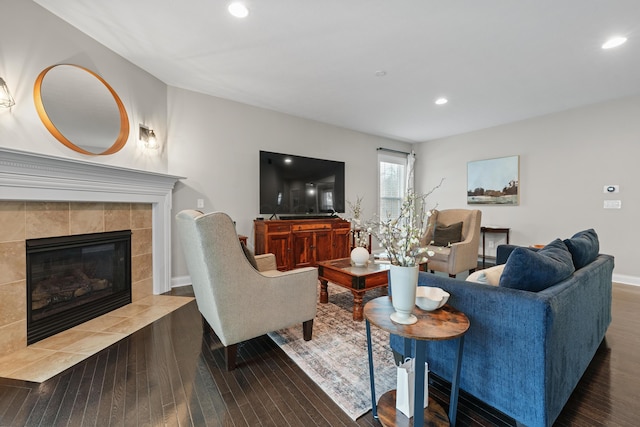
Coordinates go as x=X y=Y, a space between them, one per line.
x=627 y=280
x=176 y=282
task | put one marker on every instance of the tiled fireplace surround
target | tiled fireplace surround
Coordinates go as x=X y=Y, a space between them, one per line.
x=43 y=196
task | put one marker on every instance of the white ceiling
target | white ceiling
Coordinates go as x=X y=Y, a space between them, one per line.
x=497 y=61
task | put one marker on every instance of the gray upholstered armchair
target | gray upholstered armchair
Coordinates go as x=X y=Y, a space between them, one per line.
x=460 y=256
x=238 y=301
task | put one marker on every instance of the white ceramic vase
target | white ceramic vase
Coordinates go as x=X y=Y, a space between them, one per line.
x=404 y=282
x=359 y=256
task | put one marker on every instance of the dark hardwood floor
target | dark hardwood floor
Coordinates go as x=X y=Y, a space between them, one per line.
x=171 y=373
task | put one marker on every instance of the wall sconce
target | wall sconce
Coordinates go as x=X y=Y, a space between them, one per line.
x=6 y=100
x=148 y=137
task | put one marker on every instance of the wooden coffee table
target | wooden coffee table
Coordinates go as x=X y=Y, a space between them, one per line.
x=357 y=279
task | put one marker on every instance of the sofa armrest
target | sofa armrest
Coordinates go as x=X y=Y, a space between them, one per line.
x=463 y=254
x=266 y=262
x=294 y=291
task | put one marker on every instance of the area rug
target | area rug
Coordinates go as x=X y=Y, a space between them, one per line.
x=336 y=358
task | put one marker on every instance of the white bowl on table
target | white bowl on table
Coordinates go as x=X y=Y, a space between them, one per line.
x=429 y=298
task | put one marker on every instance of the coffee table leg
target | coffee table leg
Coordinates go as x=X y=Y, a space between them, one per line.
x=357 y=305
x=324 y=294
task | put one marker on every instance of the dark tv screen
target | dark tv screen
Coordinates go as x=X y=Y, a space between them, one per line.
x=296 y=185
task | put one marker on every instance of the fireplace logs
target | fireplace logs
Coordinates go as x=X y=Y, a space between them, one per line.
x=58 y=289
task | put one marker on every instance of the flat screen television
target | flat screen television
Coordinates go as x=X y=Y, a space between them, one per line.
x=296 y=186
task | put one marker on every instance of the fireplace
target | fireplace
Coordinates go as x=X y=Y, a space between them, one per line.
x=42 y=195
x=73 y=279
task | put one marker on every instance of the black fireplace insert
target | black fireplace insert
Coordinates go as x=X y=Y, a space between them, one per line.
x=73 y=279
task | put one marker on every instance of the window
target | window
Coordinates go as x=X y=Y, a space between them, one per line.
x=326 y=199
x=392 y=172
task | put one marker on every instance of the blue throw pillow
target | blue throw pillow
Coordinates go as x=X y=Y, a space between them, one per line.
x=584 y=247
x=534 y=271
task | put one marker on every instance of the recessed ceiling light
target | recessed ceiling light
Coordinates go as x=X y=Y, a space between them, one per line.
x=614 y=42
x=239 y=10
x=441 y=101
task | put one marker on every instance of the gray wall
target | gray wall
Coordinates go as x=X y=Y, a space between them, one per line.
x=565 y=160
x=32 y=39
x=215 y=143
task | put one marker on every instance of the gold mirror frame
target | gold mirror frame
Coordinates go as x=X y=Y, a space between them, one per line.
x=123 y=134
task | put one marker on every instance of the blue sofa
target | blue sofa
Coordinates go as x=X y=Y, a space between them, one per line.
x=525 y=351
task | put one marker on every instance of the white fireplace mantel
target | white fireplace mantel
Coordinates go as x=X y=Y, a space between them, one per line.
x=36 y=177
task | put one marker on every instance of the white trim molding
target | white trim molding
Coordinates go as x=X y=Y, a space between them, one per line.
x=35 y=177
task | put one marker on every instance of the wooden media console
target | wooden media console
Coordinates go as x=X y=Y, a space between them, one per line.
x=303 y=242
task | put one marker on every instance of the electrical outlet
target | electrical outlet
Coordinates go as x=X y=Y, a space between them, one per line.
x=200 y=203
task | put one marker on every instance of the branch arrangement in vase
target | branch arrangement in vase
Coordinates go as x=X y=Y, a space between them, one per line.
x=401 y=235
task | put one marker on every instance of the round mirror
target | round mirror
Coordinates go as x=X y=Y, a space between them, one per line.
x=81 y=110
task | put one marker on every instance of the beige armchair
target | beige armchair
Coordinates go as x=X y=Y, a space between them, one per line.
x=238 y=301
x=456 y=257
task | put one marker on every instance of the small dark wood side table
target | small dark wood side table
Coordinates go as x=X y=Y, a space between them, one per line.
x=443 y=324
x=243 y=239
x=491 y=229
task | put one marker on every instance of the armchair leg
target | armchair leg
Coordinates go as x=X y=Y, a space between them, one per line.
x=307 y=330
x=230 y=356
x=453 y=276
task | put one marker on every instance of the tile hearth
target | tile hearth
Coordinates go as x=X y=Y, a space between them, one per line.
x=44 y=359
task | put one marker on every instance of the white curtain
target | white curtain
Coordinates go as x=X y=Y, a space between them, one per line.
x=411 y=159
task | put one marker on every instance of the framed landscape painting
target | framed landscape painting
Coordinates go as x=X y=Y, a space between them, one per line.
x=493 y=181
